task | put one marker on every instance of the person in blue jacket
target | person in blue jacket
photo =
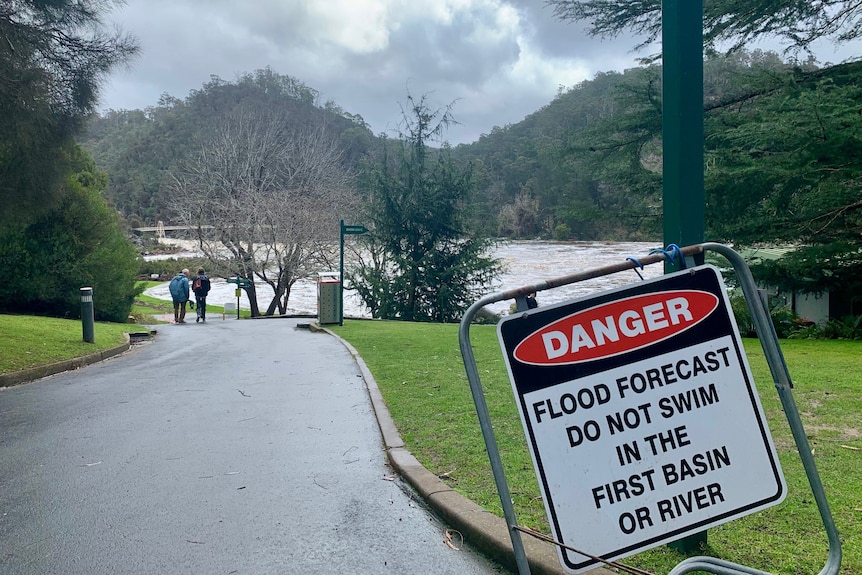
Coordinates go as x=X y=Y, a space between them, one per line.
x=179 y=288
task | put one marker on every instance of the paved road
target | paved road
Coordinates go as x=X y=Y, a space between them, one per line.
x=231 y=447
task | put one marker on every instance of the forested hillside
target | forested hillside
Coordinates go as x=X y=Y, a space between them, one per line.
x=536 y=181
x=588 y=165
x=783 y=161
x=141 y=149
x=782 y=152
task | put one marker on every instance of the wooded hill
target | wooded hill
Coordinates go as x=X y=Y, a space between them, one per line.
x=782 y=152
x=141 y=149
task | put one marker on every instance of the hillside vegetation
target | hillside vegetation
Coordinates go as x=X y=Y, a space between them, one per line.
x=782 y=147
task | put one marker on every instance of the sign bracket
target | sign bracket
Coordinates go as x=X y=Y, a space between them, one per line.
x=775 y=361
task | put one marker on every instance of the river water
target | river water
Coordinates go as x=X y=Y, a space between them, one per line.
x=525 y=263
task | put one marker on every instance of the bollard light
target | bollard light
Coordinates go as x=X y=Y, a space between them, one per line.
x=87 y=317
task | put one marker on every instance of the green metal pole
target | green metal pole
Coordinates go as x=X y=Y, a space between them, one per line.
x=682 y=122
x=682 y=136
x=88 y=323
x=341 y=276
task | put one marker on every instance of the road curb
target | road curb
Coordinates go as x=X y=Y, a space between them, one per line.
x=481 y=529
x=34 y=373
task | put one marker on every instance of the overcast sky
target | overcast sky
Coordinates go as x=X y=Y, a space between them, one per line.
x=500 y=59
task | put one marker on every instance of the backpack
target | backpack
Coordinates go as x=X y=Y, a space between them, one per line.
x=176 y=287
x=198 y=284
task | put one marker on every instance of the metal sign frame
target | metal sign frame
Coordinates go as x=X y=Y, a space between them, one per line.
x=775 y=361
x=644 y=394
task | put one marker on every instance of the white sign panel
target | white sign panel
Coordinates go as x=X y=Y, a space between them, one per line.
x=641 y=415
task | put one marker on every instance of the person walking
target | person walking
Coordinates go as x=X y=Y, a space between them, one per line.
x=201 y=287
x=179 y=288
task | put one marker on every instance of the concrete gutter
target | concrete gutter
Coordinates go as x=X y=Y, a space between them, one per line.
x=481 y=529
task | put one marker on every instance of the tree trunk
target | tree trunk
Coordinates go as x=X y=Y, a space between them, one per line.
x=252 y=300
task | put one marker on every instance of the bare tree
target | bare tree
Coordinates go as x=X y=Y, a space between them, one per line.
x=264 y=194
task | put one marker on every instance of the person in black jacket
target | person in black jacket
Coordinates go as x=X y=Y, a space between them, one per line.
x=201 y=287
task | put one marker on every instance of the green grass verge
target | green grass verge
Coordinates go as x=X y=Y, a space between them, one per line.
x=146 y=309
x=419 y=370
x=30 y=341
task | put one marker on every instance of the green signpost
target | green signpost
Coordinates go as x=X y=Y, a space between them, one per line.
x=682 y=135
x=348 y=230
x=682 y=122
x=240 y=283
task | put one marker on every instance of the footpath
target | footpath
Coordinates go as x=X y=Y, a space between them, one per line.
x=480 y=529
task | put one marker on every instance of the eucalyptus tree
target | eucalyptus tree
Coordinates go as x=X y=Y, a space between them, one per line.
x=264 y=191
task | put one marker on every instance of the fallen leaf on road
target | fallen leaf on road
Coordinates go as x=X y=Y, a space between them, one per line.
x=448 y=539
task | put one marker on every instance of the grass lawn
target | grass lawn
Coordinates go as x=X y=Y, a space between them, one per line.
x=28 y=341
x=419 y=370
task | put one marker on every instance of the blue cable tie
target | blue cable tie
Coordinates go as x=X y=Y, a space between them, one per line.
x=638 y=264
x=671 y=252
x=676 y=251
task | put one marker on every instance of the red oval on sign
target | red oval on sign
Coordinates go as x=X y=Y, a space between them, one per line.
x=616 y=327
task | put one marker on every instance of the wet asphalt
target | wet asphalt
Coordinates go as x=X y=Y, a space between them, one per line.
x=231 y=447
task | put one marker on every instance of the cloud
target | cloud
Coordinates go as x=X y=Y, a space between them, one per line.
x=499 y=60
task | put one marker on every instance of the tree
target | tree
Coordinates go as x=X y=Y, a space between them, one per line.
x=264 y=193
x=800 y=22
x=76 y=243
x=621 y=151
x=784 y=169
x=520 y=219
x=421 y=263
x=53 y=53
x=141 y=148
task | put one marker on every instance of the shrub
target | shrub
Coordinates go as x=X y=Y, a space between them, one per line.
x=849 y=327
x=787 y=324
x=167 y=268
x=742 y=314
x=76 y=243
x=562 y=232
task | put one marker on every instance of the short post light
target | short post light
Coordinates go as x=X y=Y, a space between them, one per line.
x=87 y=316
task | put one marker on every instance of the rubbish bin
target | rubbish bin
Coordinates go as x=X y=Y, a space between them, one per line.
x=328 y=297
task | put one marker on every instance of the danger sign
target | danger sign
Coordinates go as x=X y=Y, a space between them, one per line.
x=641 y=415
